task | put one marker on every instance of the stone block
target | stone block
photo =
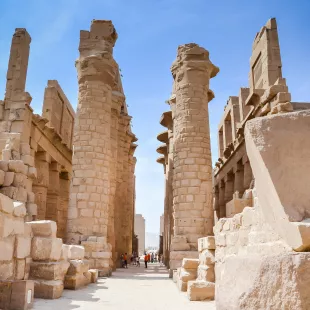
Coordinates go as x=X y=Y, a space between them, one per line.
x=190 y=263
x=175 y=274
x=28 y=262
x=6 y=204
x=181 y=285
x=206 y=243
x=22 y=246
x=48 y=289
x=94 y=275
x=9 y=191
x=46 y=249
x=46 y=229
x=28 y=160
x=19 y=180
x=92 y=246
x=16 y=166
x=101 y=255
x=65 y=252
x=20 y=265
x=49 y=270
x=4 y=165
x=6 y=270
x=16 y=295
x=77 y=266
x=7 y=248
x=32 y=173
x=32 y=208
x=74 y=282
x=187 y=274
x=104 y=272
x=206 y=273
x=25 y=149
x=200 y=290
x=5 y=225
x=19 y=209
x=76 y=252
x=18 y=225
x=207 y=257
x=102 y=264
x=21 y=194
x=2 y=176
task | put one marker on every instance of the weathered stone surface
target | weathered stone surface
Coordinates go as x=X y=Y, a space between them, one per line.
x=190 y=263
x=206 y=243
x=74 y=282
x=46 y=229
x=200 y=290
x=48 y=289
x=77 y=266
x=94 y=275
x=6 y=270
x=76 y=252
x=207 y=257
x=19 y=209
x=7 y=248
x=20 y=266
x=46 y=249
x=49 y=270
x=205 y=273
x=6 y=204
x=22 y=246
x=263 y=282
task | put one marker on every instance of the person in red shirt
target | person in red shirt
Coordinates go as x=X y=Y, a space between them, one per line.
x=125 y=260
x=145 y=259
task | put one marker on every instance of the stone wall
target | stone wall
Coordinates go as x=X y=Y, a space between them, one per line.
x=259 y=258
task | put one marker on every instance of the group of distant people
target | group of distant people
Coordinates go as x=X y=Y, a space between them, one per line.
x=135 y=259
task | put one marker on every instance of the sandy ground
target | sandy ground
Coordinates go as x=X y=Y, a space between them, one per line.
x=135 y=288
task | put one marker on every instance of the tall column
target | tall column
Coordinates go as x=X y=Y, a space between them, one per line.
x=238 y=182
x=62 y=213
x=222 y=204
x=53 y=198
x=247 y=173
x=117 y=102
x=90 y=188
x=229 y=187
x=192 y=174
x=121 y=185
x=41 y=183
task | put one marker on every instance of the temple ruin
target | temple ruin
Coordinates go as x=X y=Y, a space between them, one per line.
x=64 y=176
x=259 y=245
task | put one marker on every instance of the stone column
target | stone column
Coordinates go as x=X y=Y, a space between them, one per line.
x=118 y=100
x=216 y=205
x=229 y=187
x=41 y=183
x=222 y=204
x=90 y=190
x=121 y=184
x=247 y=173
x=62 y=214
x=238 y=182
x=192 y=174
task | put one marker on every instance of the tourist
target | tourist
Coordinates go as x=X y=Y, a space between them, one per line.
x=152 y=258
x=146 y=258
x=125 y=261
x=138 y=261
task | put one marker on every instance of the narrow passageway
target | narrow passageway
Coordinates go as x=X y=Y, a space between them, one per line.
x=134 y=288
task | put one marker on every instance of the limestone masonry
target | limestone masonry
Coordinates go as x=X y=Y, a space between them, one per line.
x=64 y=176
x=257 y=255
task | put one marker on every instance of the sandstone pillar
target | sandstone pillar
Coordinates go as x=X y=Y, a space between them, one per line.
x=117 y=102
x=238 y=179
x=247 y=173
x=192 y=174
x=229 y=187
x=121 y=184
x=41 y=183
x=62 y=212
x=53 y=198
x=90 y=191
x=222 y=204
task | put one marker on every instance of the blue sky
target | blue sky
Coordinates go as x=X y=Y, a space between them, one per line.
x=149 y=33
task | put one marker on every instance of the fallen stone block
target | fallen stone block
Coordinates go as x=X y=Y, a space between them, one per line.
x=76 y=252
x=206 y=273
x=2 y=175
x=6 y=204
x=206 y=243
x=190 y=263
x=44 y=229
x=46 y=249
x=16 y=295
x=74 y=282
x=6 y=270
x=77 y=267
x=22 y=247
x=7 y=248
x=207 y=257
x=64 y=252
x=19 y=209
x=200 y=290
x=102 y=263
x=20 y=265
x=48 y=289
x=16 y=166
x=4 y=165
x=49 y=270
x=94 y=275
